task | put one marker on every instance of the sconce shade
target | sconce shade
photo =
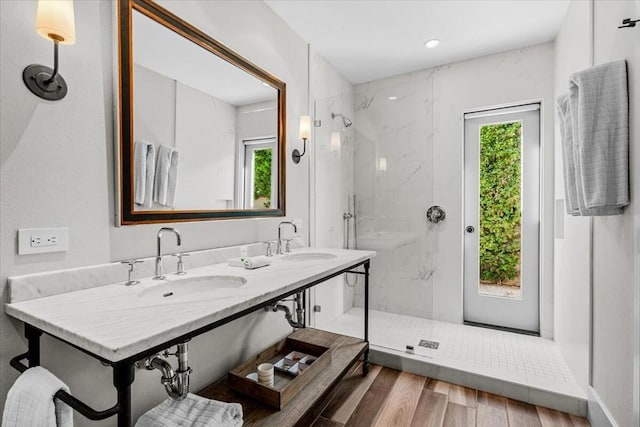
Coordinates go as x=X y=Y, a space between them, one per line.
x=335 y=142
x=305 y=127
x=382 y=164
x=55 y=21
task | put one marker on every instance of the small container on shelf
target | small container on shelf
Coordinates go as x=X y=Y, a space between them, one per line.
x=295 y=363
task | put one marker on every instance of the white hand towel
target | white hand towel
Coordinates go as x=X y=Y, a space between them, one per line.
x=256 y=262
x=193 y=411
x=166 y=176
x=151 y=172
x=30 y=401
x=563 y=106
x=173 y=178
x=236 y=262
x=601 y=138
x=144 y=161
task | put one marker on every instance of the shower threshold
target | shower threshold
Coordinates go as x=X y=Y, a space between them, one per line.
x=521 y=367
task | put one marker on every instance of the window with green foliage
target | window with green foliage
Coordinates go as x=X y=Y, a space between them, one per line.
x=262 y=178
x=500 y=203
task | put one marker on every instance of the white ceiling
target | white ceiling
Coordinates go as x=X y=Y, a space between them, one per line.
x=371 y=39
x=160 y=49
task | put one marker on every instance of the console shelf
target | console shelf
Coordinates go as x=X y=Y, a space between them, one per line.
x=307 y=405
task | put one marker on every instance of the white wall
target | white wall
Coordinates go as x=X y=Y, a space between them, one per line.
x=613 y=237
x=590 y=36
x=57 y=170
x=572 y=242
x=205 y=140
x=420 y=134
x=154 y=107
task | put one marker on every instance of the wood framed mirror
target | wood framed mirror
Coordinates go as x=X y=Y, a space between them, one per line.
x=202 y=130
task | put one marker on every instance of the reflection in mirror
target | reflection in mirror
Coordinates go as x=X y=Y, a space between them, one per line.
x=205 y=131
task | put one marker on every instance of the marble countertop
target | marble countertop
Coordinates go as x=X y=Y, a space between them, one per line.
x=114 y=322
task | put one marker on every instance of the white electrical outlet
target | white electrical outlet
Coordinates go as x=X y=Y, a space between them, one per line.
x=41 y=240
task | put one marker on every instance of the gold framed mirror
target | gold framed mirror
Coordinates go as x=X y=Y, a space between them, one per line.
x=202 y=130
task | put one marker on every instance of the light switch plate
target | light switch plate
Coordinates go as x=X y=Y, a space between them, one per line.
x=42 y=240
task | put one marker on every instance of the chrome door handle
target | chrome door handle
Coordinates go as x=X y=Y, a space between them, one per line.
x=470 y=229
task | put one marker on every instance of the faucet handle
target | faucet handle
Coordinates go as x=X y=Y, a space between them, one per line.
x=287 y=247
x=180 y=255
x=131 y=280
x=267 y=246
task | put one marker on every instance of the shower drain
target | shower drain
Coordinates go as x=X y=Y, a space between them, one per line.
x=429 y=344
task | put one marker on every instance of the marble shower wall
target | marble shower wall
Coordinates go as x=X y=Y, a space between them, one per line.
x=394 y=188
x=409 y=156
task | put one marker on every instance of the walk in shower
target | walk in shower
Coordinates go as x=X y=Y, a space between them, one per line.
x=400 y=154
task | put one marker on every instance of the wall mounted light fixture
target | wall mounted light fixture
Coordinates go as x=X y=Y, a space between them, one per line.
x=304 y=135
x=334 y=142
x=54 y=21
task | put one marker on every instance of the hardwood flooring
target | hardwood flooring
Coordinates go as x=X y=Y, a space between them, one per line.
x=389 y=398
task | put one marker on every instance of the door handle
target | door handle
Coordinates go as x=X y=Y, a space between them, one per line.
x=470 y=229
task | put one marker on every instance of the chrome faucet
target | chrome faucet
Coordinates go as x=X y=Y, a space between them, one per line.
x=159 y=267
x=279 y=246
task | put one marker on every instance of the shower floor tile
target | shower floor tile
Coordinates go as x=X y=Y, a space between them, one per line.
x=530 y=362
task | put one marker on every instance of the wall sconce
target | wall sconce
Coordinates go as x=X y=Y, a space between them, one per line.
x=304 y=135
x=335 y=143
x=54 y=21
x=382 y=164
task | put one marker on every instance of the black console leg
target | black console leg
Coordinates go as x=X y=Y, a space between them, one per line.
x=365 y=362
x=33 y=340
x=123 y=376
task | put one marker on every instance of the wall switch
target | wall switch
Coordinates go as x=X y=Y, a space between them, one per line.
x=41 y=240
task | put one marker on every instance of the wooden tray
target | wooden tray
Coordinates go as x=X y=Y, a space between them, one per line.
x=286 y=386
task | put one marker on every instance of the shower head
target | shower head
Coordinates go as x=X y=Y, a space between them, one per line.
x=345 y=120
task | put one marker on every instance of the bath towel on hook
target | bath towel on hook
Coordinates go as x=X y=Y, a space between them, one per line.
x=594 y=120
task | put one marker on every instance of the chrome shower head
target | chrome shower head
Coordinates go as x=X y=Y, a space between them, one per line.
x=345 y=120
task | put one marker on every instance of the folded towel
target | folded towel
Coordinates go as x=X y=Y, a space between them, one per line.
x=236 y=262
x=144 y=159
x=193 y=411
x=166 y=176
x=600 y=110
x=256 y=262
x=30 y=401
x=563 y=106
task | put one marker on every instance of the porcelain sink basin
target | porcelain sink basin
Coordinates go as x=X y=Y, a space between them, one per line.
x=187 y=287
x=309 y=256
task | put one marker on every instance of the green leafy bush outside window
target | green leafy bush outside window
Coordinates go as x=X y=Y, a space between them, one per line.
x=500 y=203
x=262 y=177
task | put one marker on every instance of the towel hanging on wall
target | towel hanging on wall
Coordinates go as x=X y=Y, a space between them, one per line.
x=594 y=123
x=166 y=176
x=144 y=161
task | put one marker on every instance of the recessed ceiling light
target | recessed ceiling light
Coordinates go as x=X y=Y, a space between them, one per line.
x=393 y=98
x=431 y=43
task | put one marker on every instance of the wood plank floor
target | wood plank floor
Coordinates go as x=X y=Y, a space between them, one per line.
x=390 y=398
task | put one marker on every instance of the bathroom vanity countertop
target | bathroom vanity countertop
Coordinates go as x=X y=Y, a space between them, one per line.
x=114 y=322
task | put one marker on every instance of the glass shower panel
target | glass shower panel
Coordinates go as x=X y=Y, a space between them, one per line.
x=386 y=162
x=394 y=187
x=332 y=180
